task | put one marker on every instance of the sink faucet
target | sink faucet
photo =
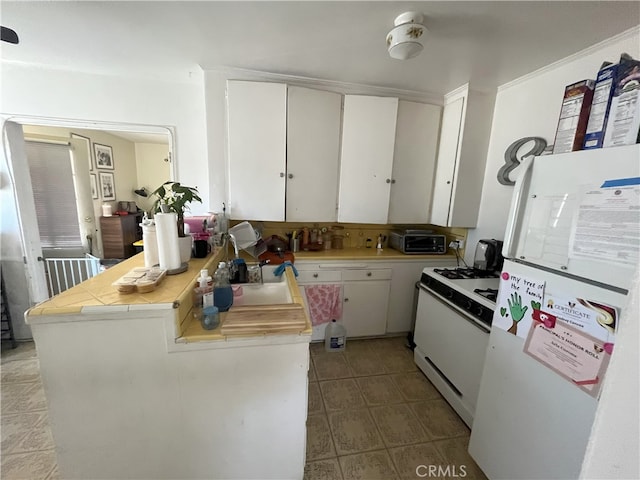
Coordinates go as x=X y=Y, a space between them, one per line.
x=262 y=264
x=235 y=245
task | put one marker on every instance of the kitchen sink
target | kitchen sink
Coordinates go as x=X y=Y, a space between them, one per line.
x=267 y=274
x=273 y=293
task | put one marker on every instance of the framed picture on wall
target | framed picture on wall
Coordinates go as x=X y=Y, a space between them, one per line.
x=87 y=142
x=107 y=186
x=94 y=185
x=104 y=156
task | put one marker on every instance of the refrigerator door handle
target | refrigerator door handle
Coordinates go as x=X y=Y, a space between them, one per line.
x=509 y=245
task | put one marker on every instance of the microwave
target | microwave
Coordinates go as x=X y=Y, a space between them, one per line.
x=418 y=242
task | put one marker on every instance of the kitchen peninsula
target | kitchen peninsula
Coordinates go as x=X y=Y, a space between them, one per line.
x=131 y=396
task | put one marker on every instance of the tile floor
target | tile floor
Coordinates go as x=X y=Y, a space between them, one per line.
x=372 y=415
x=27 y=445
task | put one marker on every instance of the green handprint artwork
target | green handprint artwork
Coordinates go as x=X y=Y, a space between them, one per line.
x=517 y=311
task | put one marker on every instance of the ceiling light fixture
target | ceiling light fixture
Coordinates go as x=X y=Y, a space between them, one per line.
x=403 y=41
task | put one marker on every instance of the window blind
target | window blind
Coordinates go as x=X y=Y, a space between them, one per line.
x=54 y=194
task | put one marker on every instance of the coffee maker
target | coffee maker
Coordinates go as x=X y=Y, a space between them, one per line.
x=488 y=256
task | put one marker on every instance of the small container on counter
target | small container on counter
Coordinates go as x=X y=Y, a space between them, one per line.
x=107 y=210
x=337 y=237
x=254 y=274
x=327 y=240
x=210 y=318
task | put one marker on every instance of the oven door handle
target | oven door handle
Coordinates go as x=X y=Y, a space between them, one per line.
x=444 y=302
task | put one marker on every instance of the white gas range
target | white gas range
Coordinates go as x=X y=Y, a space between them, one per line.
x=453 y=322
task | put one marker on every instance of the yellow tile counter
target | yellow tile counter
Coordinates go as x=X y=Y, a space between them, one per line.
x=193 y=331
x=97 y=294
x=366 y=254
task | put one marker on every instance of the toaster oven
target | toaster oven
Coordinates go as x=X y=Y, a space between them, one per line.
x=418 y=242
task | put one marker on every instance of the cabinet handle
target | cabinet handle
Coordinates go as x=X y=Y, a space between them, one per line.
x=346 y=299
x=368 y=274
x=448 y=182
x=281 y=174
x=388 y=180
x=290 y=175
x=393 y=180
x=315 y=275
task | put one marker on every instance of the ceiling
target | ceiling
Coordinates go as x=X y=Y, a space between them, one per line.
x=486 y=43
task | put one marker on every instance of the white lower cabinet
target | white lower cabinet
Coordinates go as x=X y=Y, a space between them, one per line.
x=364 y=309
x=377 y=296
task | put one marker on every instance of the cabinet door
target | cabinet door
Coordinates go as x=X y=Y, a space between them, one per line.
x=364 y=309
x=447 y=157
x=368 y=136
x=313 y=148
x=414 y=162
x=257 y=123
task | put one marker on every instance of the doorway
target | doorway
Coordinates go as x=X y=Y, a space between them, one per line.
x=22 y=252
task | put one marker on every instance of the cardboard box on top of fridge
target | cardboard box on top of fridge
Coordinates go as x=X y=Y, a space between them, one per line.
x=623 y=124
x=600 y=106
x=574 y=116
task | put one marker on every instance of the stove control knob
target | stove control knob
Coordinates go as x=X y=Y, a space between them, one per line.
x=468 y=304
x=479 y=311
x=449 y=294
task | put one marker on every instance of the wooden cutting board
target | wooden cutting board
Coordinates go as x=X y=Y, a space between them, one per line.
x=263 y=319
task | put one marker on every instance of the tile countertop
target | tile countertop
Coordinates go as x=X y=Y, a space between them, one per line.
x=366 y=254
x=98 y=295
x=193 y=331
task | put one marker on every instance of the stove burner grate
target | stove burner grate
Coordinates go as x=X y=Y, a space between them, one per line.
x=465 y=273
x=488 y=293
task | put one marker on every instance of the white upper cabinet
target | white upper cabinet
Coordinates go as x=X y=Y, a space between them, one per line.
x=257 y=123
x=414 y=161
x=313 y=149
x=368 y=137
x=462 y=156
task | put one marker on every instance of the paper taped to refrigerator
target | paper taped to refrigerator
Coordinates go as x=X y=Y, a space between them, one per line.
x=607 y=224
x=592 y=317
x=519 y=297
x=571 y=353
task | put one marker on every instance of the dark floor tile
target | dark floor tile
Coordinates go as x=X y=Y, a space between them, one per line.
x=354 y=431
x=398 y=425
x=332 y=365
x=368 y=466
x=379 y=390
x=341 y=394
x=439 y=420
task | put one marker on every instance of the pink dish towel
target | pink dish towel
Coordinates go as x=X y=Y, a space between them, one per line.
x=324 y=302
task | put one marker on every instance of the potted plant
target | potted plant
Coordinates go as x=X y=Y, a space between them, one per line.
x=174 y=197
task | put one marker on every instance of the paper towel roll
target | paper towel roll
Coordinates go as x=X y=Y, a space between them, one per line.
x=150 y=241
x=167 y=234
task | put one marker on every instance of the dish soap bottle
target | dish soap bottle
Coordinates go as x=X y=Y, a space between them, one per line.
x=222 y=293
x=335 y=337
x=202 y=294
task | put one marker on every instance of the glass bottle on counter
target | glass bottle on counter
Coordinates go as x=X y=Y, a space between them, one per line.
x=222 y=293
x=204 y=289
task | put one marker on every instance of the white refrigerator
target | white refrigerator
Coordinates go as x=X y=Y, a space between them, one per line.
x=571 y=244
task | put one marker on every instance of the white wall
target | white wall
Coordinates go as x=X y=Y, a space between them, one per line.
x=47 y=92
x=614 y=444
x=152 y=170
x=43 y=91
x=530 y=107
